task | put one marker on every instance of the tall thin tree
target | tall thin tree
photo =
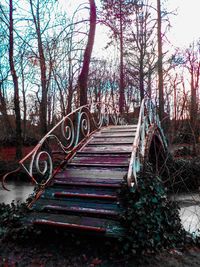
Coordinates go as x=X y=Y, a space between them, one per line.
x=16 y=84
x=83 y=77
x=160 y=62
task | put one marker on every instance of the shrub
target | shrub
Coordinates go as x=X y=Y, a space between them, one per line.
x=183 y=175
x=151 y=219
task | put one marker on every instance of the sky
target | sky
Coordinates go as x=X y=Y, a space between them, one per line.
x=185 y=24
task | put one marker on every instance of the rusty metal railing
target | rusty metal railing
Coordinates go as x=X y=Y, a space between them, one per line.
x=62 y=141
x=148 y=118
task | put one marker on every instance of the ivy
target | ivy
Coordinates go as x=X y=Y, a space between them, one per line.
x=11 y=221
x=151 y=219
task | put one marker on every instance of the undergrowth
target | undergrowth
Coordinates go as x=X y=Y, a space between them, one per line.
x=151 y=219
x=184 y=175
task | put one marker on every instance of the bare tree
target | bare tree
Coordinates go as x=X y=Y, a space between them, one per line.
x=117 y=17
x=16 y=84
x=83 y=77
x=160 y=61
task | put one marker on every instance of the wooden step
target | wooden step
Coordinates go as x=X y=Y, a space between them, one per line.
x=111 y=140
x=108 y=153
x=101 y=204
x=83 y=223
x=105 y=155
x=105 y=143
x=92 y=173
x=101 y=182
x=109 y=136
x=108 y=148
x=80 y=210
x=114 y=134
x=96 y=159
x=123 y=131
x=77 y=191
x=70 y=226
x=108 y=165
x=86 y=195
x=120 y=128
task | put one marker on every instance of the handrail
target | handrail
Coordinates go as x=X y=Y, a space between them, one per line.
x=148 y=117
x=64 y=139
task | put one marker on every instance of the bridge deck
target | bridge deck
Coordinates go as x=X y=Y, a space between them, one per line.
x=84 y=195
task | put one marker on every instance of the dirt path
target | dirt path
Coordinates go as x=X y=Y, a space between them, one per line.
x=91 y=252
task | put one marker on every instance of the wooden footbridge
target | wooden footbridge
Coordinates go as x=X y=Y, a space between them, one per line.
x=80 y=164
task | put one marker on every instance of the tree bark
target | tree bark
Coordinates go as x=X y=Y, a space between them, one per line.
x=42 y=62
x=160 y=63
x=16 y=86
x=83 y=77
x=3 y=109
x=141 y=76
x=121 y=84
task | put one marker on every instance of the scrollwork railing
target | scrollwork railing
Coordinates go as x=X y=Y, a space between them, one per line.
x=148 y=118
x=61 y=142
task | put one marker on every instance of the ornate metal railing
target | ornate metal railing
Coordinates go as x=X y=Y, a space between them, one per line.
x=148 y=119
x=62 y=141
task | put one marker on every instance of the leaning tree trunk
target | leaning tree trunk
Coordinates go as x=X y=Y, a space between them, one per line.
x=16 y=86
x=83 y=77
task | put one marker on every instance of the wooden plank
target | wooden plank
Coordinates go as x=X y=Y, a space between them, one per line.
x=95 y=173
x=69 y=225
x=114 y=134
x=87 y=203
x=107 y=165
x=98 y=144
x=76 y=190
x=101 y=159
x=79 y=210
x=118 y=131
x=120 y=127
x=88 y=181
x=81 y=153
x=107 y=226
x=72 y=219
x=112 y=140
x=108 y=148
x=66 y=194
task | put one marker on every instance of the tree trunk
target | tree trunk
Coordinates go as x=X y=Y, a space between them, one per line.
x=43 y=103
x=160 y=63
x=149 y=82
x=16 y=86
x=83 y=77
x=3 y=109
x=121 y=84
x=141 y=76
x=193 y=112
x=70 y=86
x=69 y=98
x=43 y=78
x=24 y=98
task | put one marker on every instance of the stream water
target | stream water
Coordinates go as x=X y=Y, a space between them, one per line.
x=189 y=203
x=19 y=191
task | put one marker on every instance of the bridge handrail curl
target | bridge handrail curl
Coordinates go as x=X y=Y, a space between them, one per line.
x=66 y=136
x=148 y=117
